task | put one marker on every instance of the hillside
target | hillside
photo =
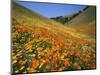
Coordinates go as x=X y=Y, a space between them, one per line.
x=85 y=22
x=30 y=16
x=43 y=45
x=85 y=17
x=64 y=19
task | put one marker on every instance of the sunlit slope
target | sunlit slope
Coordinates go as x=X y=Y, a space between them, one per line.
x=85 y=22
x=26 y=17
x=85 y=17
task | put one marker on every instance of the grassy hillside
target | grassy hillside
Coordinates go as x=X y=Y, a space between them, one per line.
x=85 y=22
x=42 y=45
x=64 y=19
x=33 y=19
x=85 y=17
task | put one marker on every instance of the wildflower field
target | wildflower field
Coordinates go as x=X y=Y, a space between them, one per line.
x=49 y=48
x=36 y=50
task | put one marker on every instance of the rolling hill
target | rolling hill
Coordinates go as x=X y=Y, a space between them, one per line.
x=40 y=44
x=64 y=19
x=85 y=17
x=85 y=22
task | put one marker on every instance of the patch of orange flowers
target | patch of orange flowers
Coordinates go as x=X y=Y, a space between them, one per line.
x=45 y=52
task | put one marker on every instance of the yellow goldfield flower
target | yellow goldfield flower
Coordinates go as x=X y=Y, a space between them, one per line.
x=15 y=61
x=14 y=57
x=22 y=67
x=40 y=48
x=41 y=65
x=30 y=50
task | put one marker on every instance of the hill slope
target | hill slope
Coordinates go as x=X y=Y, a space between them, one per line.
x=85 y=17
x=42 y=45
x=85 y=22
x=20 y=13
x=64 y=19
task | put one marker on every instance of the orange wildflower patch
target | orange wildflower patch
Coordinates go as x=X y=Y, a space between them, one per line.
x=45 y=51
